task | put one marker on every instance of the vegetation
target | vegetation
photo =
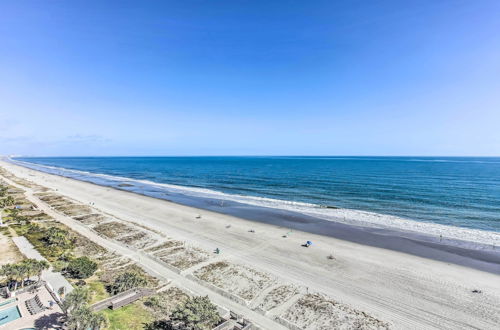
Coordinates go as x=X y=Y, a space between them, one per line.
x=48 y=238
x=58 y=238
x=64 y=249
x=81 y=268
x=130 y=317
x=98 y=291
x=197 y=313
x=7 y=201
x=23 y=270
x=84 y=318
x=36 y=267
x=79 y=315
x=163 y=303
x=127 y=281
x=191 y=313
x=79 y=297
x=158 y=325
x=3 y=191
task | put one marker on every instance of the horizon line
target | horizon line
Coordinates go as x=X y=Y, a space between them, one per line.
x=242 y=155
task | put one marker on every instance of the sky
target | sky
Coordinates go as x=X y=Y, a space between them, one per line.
x=257 y=77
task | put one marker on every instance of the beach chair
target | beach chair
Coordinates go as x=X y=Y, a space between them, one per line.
x=34 y=305
x=29 y=307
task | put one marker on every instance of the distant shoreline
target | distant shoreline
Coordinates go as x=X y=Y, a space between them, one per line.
x=245 y=207
x=360 y=191
x=477 y=255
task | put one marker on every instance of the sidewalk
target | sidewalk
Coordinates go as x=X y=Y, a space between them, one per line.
x=54 y=279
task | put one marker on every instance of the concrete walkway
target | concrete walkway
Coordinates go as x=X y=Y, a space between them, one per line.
x=54 y=279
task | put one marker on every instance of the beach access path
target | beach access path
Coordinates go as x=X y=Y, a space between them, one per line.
x=408 y=291
x=149 y=264
x=55 y=279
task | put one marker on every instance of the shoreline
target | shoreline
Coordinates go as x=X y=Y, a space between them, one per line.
x=405 y=290
x=478 y=255
x=245 y=205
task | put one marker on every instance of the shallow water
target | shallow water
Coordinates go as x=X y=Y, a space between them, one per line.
x=457 y=191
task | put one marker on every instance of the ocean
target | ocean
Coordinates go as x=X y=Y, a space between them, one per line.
x=462 y=192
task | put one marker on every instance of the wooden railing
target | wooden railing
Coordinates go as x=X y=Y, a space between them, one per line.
x=121 y=299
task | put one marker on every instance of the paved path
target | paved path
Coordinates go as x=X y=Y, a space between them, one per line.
x=26 y=248
x=54 y=279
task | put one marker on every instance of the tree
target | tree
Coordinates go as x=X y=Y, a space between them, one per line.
x=79 y=315
x=22 y=270
x=82 y=267
x=15 y=273
x=84 y=318
x=159 y=325
x=77 y=298
x=9 y=271
x=197 y=313
x=127 y=281
x=58 y=239
x=97 y=321
x=39 y=267
x=29 y=267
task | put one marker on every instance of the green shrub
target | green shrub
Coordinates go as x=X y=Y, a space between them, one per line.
x=82 y=267
x=127 y=281
x=196 y=313
x=57 y=237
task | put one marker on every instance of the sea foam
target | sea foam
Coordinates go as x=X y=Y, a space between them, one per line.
x=484 y=239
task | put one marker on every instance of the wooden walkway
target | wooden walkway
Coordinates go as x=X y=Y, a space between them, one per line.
x=122 y=299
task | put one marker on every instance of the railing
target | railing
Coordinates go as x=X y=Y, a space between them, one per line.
x=117 y=301
x=27 y=288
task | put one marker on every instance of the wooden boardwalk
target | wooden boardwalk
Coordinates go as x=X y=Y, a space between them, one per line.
x=122 y=299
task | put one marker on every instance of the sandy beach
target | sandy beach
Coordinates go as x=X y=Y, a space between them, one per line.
x=267 y=273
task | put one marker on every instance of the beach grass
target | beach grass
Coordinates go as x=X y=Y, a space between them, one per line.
x=51 y=253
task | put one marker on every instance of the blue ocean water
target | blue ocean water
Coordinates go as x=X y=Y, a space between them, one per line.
x=458 y=191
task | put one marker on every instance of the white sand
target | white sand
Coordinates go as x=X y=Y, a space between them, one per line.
x=458 y=236
x=8 y=251
x=407 y=291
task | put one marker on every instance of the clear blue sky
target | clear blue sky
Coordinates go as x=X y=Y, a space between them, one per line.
x=253 y=77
